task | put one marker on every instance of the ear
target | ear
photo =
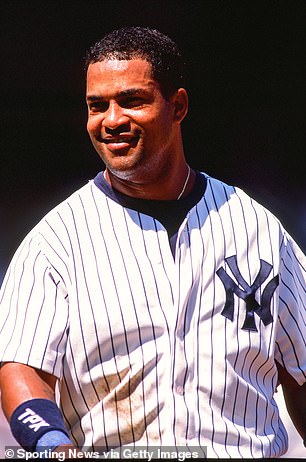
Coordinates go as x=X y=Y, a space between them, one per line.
x=180 y=104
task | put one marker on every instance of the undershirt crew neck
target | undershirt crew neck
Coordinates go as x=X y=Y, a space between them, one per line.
x=170 y=213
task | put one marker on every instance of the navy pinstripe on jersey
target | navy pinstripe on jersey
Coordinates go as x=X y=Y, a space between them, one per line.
x=156 y=348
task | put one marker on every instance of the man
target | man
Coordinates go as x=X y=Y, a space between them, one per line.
x=156 y=305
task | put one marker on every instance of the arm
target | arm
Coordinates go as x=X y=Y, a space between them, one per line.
x=295 y=399
x=28 y=383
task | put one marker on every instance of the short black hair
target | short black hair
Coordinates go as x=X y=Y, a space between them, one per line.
x=168 y=66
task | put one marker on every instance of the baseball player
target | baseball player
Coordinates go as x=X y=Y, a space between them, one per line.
x=156 y=306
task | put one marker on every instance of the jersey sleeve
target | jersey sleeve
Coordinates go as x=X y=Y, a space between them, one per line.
x=290 y=349
x=33 y=309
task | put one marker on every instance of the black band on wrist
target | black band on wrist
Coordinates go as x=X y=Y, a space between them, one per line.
x=34 y=418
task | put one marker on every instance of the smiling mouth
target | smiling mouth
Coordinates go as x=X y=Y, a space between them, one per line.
x=120 y=142
x=119 y=139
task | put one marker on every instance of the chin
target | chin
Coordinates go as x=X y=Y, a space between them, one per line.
x=126 y=167
x=124 y=172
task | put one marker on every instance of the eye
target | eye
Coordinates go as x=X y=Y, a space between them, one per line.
x=97 y=106
x=132 y=102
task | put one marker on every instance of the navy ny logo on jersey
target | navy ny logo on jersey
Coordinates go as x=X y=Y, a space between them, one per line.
x=247 y=293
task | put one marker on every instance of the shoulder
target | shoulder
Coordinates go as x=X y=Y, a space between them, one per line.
x=78 y=200
x=54 y=229
x=245 y=211
x=235 y=197
x=243 y=215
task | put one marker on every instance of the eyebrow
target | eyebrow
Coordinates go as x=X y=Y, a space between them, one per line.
x=120 y=94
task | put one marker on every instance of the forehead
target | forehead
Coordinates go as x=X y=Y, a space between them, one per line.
x=116 y=75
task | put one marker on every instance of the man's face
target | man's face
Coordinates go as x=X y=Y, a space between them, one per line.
x=130 y=123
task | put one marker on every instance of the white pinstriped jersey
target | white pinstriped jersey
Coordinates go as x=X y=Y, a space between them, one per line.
x=156 y=349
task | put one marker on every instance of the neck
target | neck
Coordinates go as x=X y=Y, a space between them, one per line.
x=166 y=186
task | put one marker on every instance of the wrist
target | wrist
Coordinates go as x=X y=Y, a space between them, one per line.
x=32 y=419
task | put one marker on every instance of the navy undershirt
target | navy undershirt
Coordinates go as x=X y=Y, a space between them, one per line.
x=170 y=213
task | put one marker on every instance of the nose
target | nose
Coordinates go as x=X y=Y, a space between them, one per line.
x=114 y=117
